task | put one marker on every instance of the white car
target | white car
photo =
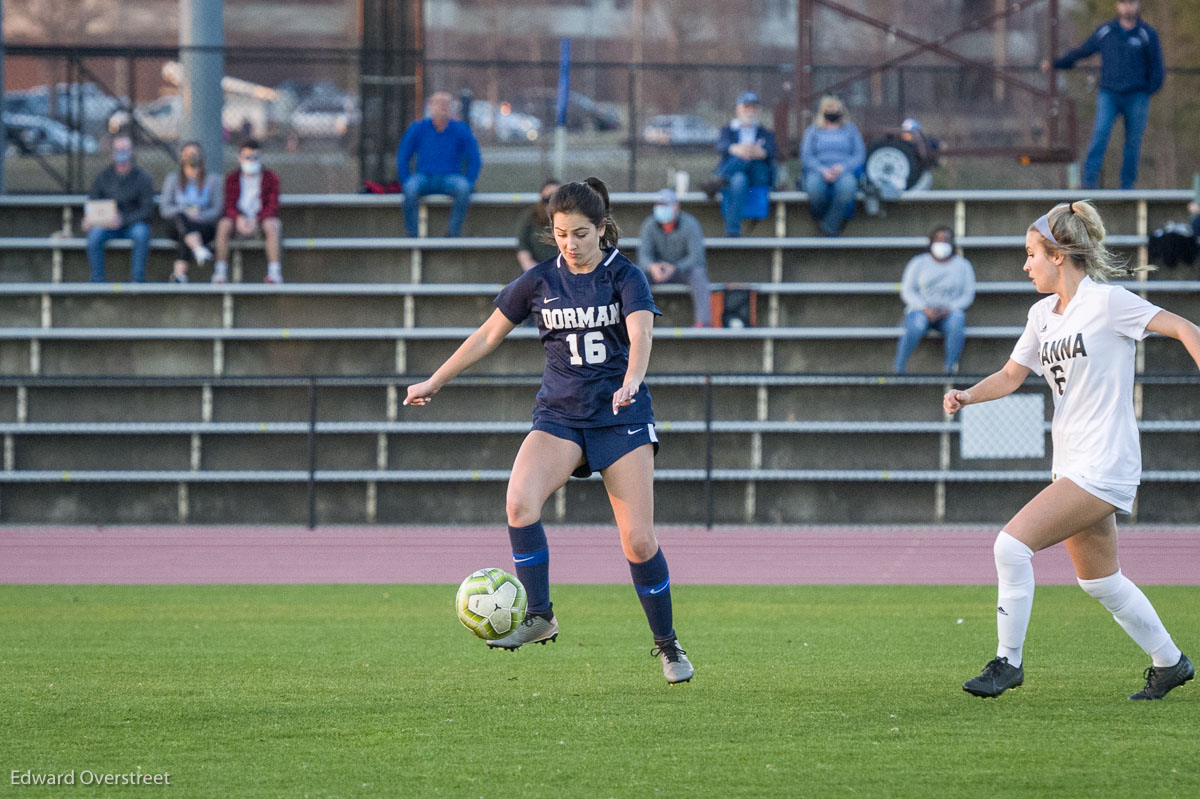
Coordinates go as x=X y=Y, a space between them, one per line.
x=680 y=130
x=325 y=115
x=503 y=122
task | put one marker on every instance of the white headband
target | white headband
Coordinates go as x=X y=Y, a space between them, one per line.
x=1042 y=225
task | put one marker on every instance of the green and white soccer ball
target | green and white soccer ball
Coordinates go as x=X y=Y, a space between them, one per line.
x=491 y=603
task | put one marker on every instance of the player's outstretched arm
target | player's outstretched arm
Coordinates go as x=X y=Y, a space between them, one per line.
x=477 y=346
x=994 y=386
x=640 y=325
x=1176 y=327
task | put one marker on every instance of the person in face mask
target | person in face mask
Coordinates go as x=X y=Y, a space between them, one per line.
x=251 y=209
x=833 y=154
x=748 y=156
x=937 y=288
x=190 y=203
x=671 y=250
x=131 y=189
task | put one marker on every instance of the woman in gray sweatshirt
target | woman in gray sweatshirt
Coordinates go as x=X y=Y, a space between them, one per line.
x=191 y=202
x=937 y=287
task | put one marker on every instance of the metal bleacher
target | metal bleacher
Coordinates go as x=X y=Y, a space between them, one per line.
x=245 y=402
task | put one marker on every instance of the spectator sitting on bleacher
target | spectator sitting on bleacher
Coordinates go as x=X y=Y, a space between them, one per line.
x=447 y=163
x=937 y=288
x=747 y=161
x=833 y=154
x=671 y=250
x=251 y=209
x=533 y=244
x=190 y=203
x=130 y=192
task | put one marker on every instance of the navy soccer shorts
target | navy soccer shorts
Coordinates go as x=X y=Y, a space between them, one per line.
x=602 y=446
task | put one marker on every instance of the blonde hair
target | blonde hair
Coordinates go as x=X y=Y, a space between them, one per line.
x=1079 y=234
x=831 y=103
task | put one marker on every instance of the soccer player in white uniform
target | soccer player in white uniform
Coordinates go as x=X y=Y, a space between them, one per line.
x=1082 y=339
x=595 y=316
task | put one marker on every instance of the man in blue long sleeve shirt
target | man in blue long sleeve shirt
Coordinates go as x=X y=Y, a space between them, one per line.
x=447 y=163
x=1131 y=69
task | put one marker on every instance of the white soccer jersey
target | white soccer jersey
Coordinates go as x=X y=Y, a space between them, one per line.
x=1087 y=358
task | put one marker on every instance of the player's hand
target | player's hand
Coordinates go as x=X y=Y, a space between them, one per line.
x=954 y=400
x=420 y=393
x=622 y=397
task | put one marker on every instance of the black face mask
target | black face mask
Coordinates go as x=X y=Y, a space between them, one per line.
x=832 y=116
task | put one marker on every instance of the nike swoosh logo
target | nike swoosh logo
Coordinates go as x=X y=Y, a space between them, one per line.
x=524 y=560
x=653 y=592
x=549 y=299
x=635 y=431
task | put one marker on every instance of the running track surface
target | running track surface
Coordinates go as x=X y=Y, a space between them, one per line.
x=960 y=555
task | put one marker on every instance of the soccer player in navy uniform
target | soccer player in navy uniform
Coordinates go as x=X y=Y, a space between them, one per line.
x=595 y=316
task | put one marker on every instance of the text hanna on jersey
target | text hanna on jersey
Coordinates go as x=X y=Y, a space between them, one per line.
x=598 y=316
x=1062 y=349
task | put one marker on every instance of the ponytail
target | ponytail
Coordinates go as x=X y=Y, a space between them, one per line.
x=589 y=198
x=1077 y=231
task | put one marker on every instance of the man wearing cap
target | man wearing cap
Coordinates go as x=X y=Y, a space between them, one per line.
x=671 y=250
x=747 y=159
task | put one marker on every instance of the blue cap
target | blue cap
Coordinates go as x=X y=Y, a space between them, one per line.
x=747 y=98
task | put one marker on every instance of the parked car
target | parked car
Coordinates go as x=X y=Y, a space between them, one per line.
x=504 y=123
x=29 y=133
x=583 y=113
x=85 y=105
x=325 y=115
x=680 y=130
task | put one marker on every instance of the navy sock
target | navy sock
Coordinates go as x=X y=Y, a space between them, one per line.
x=653 y=584
x=531 y=557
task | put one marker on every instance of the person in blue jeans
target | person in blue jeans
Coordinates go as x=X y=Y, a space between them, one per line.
x=132 y=189
x=1131 y=69
x=937 y=288
x=448 y=162
x=747 y=160
x=833 y=154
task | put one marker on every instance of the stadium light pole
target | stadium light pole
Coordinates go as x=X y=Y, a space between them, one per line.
x=202 y=54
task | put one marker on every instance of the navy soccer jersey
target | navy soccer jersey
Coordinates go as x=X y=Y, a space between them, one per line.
x=581 y=320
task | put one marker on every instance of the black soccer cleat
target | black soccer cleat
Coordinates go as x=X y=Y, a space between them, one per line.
x=1160 y=681
x=996 y=678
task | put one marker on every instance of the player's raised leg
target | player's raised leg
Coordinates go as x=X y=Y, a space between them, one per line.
x=630 y=485
x=1055 y=514
x=544 y=463
x=1094 y=553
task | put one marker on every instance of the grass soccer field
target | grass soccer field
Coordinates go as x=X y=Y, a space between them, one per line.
x=376 y=691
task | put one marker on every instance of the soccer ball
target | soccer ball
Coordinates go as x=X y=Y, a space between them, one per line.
x=491 y=603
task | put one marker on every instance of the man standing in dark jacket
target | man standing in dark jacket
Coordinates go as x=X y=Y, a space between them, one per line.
x=1131 y=69
x=132 y=190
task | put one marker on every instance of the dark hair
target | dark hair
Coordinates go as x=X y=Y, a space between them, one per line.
x=201 y=171
x=250 y=144
x=590 y=198
x=942 y=229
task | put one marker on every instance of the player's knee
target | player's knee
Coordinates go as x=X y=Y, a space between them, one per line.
x=642 y=545
x=521 y=509
x=1010 y=552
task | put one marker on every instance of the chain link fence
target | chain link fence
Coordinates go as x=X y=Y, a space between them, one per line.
x=635 y=126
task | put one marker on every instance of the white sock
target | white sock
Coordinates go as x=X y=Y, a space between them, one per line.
x=1133 y=611
x=1014 y=573
x=221 y=268
x=275 y=270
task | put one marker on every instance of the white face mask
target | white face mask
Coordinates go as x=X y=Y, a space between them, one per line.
x=941 y=250
x=251 y=167
x=664 y=214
